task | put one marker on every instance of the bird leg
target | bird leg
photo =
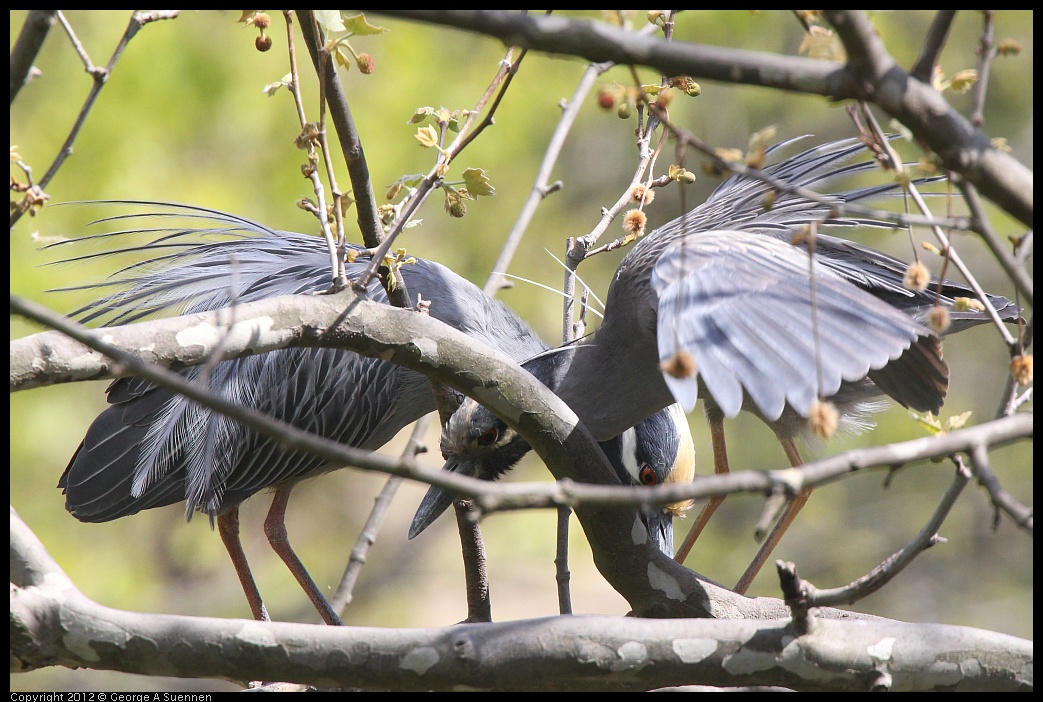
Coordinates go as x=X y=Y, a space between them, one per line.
x=780 y=527
x=275 y=530
x=228 y=528
x=715 y=418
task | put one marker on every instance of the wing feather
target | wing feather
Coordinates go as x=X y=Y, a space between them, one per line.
x=740 y=304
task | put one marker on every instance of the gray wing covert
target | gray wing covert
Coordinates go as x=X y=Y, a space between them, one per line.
x=739 y=303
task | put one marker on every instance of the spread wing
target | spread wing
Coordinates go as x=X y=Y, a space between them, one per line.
x=741 y=304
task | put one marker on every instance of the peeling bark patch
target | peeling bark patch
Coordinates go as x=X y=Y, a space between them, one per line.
x=487 y=398
x=76 y=640
x=664 y=582
x=81 y=637
x=638 y=532
x=747 y=660
x=971 y=668
x=238 y=334
x=633 y=655
x=594 y=652
x=946 y=672
x=56 y=583
x=111 y=340
x=256 y=634
x=420 y=660
x=881 y=650
x=694 y=650
x=428 y=350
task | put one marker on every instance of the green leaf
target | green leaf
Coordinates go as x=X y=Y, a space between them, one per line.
x=342 y=56
x=478 y=183
x=928 y=421
x=934 y=425
x=957 y=421
x=357 y=25
x=962 y=81
x=427 y=136
x=407 y=181
x=421 y=114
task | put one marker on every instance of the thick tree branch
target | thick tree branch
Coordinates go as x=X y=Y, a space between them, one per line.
x=960 y=145
x=52 y=623
x=871 y=75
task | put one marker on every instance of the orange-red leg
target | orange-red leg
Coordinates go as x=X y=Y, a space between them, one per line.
x=228 y=528
x=780 y=527
x=275 y=530
x=715 y=418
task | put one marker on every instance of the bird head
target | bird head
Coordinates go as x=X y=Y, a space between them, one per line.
x=656 y=451
x=478 y=444
x=475 y=443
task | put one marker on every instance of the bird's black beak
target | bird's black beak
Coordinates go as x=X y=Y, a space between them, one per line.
x=661 y=529
x=437 y=500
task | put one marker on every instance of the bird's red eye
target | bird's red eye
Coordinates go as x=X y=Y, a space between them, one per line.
x=647 y=475
x=488 y=437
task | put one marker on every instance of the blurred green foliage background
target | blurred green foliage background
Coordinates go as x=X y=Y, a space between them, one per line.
x=183 y=118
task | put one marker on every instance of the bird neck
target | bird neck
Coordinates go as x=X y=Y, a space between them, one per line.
x=576 y=373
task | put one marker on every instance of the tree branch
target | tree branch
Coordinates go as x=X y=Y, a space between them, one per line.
x=52 y=623
x=871 y=75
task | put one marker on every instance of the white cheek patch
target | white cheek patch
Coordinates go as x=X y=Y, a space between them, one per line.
x=628 y=453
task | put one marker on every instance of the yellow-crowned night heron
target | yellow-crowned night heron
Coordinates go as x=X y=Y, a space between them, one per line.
x=718 y=304
x=152 y=448
x=656 y=451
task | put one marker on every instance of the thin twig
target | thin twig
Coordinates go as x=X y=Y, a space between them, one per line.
x=500 y=82
x=540 y=187
x=896 y=164
x=1012 y=266
x=138 y=19
x=986 y=55
x=894 y=564
x=368 y=536
x=899 y=219
x=932 y=47
x=358 y=169
x=1020 y=514
x=336 y=262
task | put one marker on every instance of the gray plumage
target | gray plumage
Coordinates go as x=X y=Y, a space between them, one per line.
x=724 y=285
x=152 y=448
